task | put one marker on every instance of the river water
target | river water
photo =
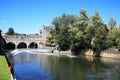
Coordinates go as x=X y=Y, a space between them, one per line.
x=47 y=66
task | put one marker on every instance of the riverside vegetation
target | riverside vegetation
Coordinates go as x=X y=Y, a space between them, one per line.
x=4 y=71
x=83 y=32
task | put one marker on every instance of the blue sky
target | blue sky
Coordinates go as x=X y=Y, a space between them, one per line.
x=28 y=16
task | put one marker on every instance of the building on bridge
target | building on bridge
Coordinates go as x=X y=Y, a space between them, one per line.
x=45 y=32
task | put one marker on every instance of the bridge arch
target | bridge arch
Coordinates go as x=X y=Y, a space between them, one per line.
x=33 y=45
x=22 y=45
x=11 y=46
x=27 y=39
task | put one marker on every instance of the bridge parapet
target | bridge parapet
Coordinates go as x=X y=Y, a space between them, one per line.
x=27 y=39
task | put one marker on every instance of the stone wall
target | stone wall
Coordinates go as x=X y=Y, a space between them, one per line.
x=109 y=53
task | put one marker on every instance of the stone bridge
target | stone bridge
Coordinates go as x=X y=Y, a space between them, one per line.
x=25 y=41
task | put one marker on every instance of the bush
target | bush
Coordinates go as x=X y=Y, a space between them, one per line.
x=107 y=43
x=118 y=43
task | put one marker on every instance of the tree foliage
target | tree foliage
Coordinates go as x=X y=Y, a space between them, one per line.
x=111 y=24
x=100 y=31
x=116 y=37
x=60 y=33
x=83 y=32
x=10 y=31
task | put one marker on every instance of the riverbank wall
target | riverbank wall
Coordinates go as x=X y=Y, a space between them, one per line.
x=109 y=53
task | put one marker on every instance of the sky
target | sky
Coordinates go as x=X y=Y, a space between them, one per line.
x=28 y=16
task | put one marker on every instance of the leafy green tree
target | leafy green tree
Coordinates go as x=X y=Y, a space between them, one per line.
x=52 y=37
x=107 y=43
x=10 y=31
x=61 y=29
x=100 y=32
x=77 y=32
x=112 y=25
x=83 y=32
x=118 y=43
x=75 y=36
x=116 y=37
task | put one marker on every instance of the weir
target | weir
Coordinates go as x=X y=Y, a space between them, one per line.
x=31 y=51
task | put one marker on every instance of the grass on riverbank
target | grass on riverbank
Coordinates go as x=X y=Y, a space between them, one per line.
x=4 y=71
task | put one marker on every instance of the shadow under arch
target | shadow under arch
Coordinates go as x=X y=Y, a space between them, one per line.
x=10 y=46
x=22 y=45
x=33 y=45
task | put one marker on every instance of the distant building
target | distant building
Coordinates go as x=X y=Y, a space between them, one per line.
x=45 y=32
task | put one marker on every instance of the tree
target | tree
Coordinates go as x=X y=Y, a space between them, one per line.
x=77 y=32
x=51 y=37
x=116 y=37
x=81 y=32
x=99 y=35
x=10 y=31
x=61 y=34
x=118 y=43
x=112 y=24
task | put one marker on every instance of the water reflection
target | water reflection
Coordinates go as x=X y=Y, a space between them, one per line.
x=31 y=67
x=107 y=69
x=49 y=67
